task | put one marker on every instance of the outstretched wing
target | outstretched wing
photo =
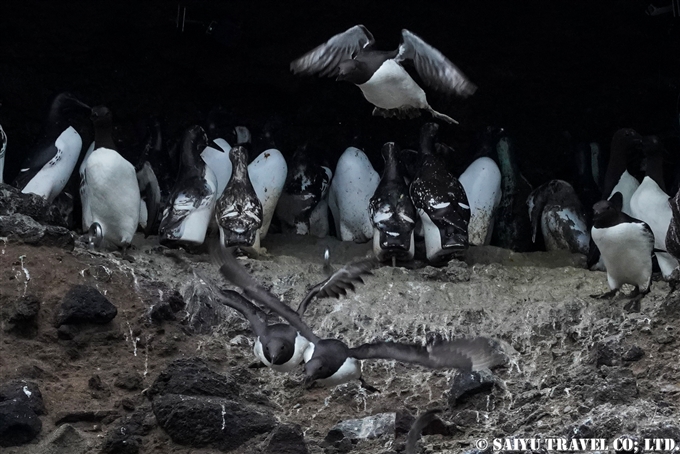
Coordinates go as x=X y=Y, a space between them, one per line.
x=324 y=59
x=417 y=427
x=339 y=282
x=254 y=315
x=436 y=70
x=464 y=354
x=235 y=273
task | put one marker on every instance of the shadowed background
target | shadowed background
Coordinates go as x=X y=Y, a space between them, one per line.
x=542 y=68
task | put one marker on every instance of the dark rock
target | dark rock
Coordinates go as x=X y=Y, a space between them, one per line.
x=18 y=423
x=24 y=229
x=618 y=387
x=128 y=404
x=125 y=438
x=168 y=308
x=633 y=353
x=365 y=428
x=23 y=316
x=129 y=380
x=193 y=377
x=104 y=416
x=24 y=392
x=12 y=201
x=286 y=439
x=214 y=422
x=99 y=389
x=468 y=384
x=606 y=353
x=85 y=304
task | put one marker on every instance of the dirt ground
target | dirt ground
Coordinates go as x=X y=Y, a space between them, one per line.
x=570 y=371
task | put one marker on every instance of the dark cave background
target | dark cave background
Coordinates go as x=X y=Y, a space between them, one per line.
x=544 y=69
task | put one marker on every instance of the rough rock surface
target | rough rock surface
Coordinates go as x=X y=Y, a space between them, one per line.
x=22 y=228
x=85 y=304
x=12 y=201
x=20 y=404
x=578 y=366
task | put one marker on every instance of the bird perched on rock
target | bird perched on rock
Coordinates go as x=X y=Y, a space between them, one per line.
x=626 y=245
x=649 y=203
x=352 y=56
x=555 y=207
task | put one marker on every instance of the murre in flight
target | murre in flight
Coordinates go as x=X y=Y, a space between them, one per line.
x=352 y=56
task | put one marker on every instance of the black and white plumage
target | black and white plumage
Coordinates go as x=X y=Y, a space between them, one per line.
x=625 y=243
x=440 y=201
x=278 y=346
x=281 y=346
x=305 y=193
x=673 y=234
x=624 y=154
x=650 y=203
x=351 y=56
x=555 y=207
x=50 y=164
x=109 y=189
x=238 y=211
x=3 y=150
x=331 y=362
x=392 y=213
x=352 y=187
x=186 y=218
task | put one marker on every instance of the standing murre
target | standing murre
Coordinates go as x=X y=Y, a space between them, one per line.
x=305 y=191
x=49 y=165
x=626 y=245
x=440 y=201
x=238 y=211
x=555 y=207
x=650 y=203
x=353 y=184
x=392 y=212
x=109 y=189
x=381 y=76
x=331 y=362
x=190 y=209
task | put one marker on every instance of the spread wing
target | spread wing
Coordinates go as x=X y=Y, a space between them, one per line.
x=436 y=70
x=235 y=273
x=324 y=59
x=464 y=354
x=339 y=282
x=235 y=300
x=417 y=427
